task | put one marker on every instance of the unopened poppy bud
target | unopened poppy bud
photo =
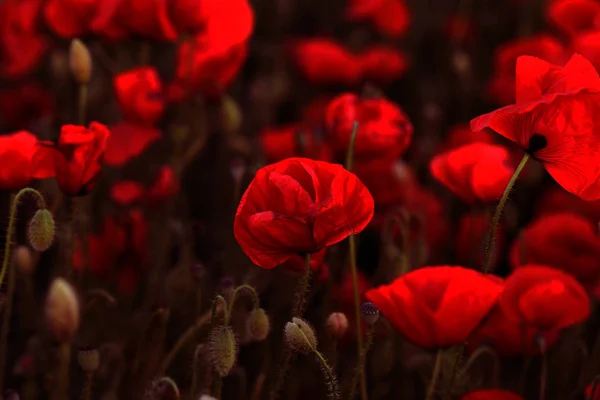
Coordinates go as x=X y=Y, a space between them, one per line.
x=231 y=116
x=41 y=230
x=24 y=260
x=337 y=324
x=62 y=310
x=80 y=62
x=258 y=324
x=300 y=336
x=223 y=349
x=206 y=397
x=370 y=313
x=89 y=360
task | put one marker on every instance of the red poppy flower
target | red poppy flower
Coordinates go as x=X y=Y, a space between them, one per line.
x=588 y=393
x=383 y=64
x=556 y=200
x=139 y=93
x=128 y=141
x=392 y=19
x=164 y=187
x=437 y=307
x=461 y=135
x=279 y=143
x=475 y=172
x=383 y=128
x=554 y=121
x=358 y=9
x=502 y=83
x=298 y=264
x=21 y=43
x=544 y=298
x=104 y=248
x=16 y=152
x=491 y=394
x=149 y=19
x=588 y=45
x=574 y=16
x=229 y=24
x=473 y=229
x=126 y=192
x=299 y=206
x=388 y=180
x=313 y=114
x=75 y=159
x=24 y=103
x=188 y=15
x=73 y=18
x=325 y=62
x=565 y=241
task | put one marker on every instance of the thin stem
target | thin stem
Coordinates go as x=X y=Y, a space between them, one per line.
x=360 y=368
x=357 y=314
x=218 y=391
x=82 y=104
x=194 y=387
x=544 y=370
x=171 y=383
x=86 y=391
x=350 y=153
x=11 y=224
x=498 y=213
x=234 y=296
x=329 y=376
x=477 y=354
x=434 y=377
x=457 y=360
x=7 y=312
x=62 y=387
x=281 y=374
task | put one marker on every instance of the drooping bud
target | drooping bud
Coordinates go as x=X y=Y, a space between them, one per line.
x=370 y=313
x=223 y=349
x=258 y=324
x=24 y=260
x=80 y=62
x=41 y=230
x=62 y=310
x=89 y=360
x=300 y=336
x=337 y=324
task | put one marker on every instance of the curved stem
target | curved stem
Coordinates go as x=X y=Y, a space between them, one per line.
x=7 y=313
x=329 y=376
x=171 y=383
x=11 y=224
x=490 y=242
x=360 y=368
x=234 y=296
x=477 y=354
x=434 y=377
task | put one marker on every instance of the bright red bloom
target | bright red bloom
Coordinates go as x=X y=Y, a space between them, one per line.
x=461 y=135
x=544 y=298
x=76 y=158
x=383 y=64
x=24 y=103
x=436 y=307
x=491 y=394
x=128 y=141
x=473 y=230
x=22 y=45
x=588 y=45
x=149 y=19
x=16 y=152
x=392 y=19
x=502 y=83
x=383 y=128
x=574 y=16
x=477 y=172
x=326 y=62
x=555 y=121
x=299 y=206
x=565 y=241
x=279 y=143
x=73 y=18
x=139 y=93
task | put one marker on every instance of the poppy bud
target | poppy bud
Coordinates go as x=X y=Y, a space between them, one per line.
x=223 y=349
x=24 y=260
x=41 y=230
x=227 y=288
x=62 y=310
x=80 y=62
x=258 y=324
x=370 y=313
x=206 y=397
x=89 y=360
x=231 y=116
x=337 y=324
x=300 y=336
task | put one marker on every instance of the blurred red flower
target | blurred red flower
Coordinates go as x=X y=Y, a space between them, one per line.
x=555 y=121
x=502 y=82
x=461 y=135
x=104 y=247
x=17 y=151
x=473 y=228
x=389 y=17
x=299 y=206
x=73 y=18
x=295 y=140
x=437 y=307
x=383 y=64
x=491 y=394
x=24 y=103
x=383 y=128
x=75 y=159
x=149 y=19
x=588 y=392
x=139 y=94
x=477 y=172
x=574 y=16
x=588 y=45
x=126 y=192
x=389 y=180
x=128 y=141
x=556 y=200
x=565 y=241
x=22 y=45
x=357 y=9
x=129 y=192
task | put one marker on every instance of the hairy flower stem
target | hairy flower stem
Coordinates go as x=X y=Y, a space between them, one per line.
x=41 y=203
x=86 y=391
x=238 y=290
x=332 y=384
x=491 y=239
x=62 y=386
x=171 y=383
x=82 y=104
x=6 y=314
x=435 y=375
x=360 y=368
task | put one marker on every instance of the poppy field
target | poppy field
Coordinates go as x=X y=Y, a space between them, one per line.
x=291 y=199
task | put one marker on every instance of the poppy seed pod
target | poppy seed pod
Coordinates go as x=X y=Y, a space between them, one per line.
x=231 y=116
x=370 y=313
x=24 y=260
x=258 y=324
x=337 y=324
x=300 y=336
x=223 y=349
x=89 y=360
x=41 y=230
x=80 y=62
x=62 y=310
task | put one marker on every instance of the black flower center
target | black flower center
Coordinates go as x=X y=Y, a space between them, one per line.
x=536 y=143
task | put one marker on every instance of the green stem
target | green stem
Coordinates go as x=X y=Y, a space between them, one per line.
x=357 y=314
x=360 y=369
x=498 y=213
x=435 y=375
x=7 y=312
x=350 y=153
x=234 y=296
x=62 y=387
x=82 y=104
x=332 y=384
x=11 y=224
x=456 y=362
x=170 y=382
